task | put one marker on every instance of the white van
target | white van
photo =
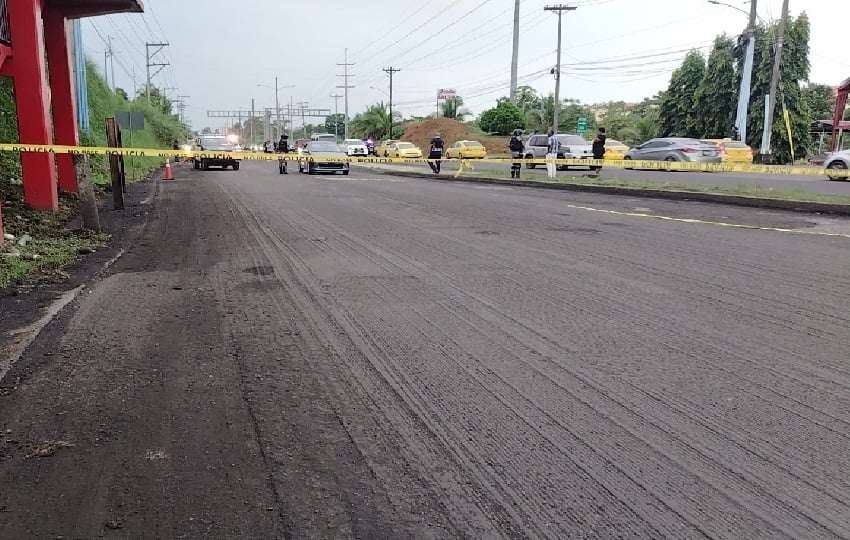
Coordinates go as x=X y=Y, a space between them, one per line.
x=329 y=137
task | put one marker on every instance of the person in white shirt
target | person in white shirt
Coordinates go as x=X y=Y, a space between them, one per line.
x=552 y=154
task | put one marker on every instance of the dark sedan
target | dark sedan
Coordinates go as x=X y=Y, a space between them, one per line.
x=322 y=148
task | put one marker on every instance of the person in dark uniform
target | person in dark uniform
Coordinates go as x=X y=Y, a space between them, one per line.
x=282 y=148
x=517 y=148
x=598 y=149
x=436 y=153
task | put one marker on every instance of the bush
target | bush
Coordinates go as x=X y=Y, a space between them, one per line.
x=502 y=119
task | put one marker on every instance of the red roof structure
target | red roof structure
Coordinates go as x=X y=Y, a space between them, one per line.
x=33 y=39
x=838 y=122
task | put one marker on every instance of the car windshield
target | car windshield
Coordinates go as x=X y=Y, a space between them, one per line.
x=571 y=139
x=216 y=144
x=405 y=145
x=323 y=146
x=472 y=143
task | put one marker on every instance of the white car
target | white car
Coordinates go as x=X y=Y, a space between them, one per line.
x=839 y=161
x=355 y=147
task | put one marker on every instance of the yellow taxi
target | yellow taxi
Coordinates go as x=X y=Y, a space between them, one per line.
x=466 y=150
x=383 y=149
x=404 y=150
x=732 y=151
x=615 y=150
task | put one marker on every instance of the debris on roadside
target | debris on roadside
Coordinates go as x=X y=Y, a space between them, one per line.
x=48 y=448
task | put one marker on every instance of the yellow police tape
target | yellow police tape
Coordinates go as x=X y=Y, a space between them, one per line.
x=464 y=164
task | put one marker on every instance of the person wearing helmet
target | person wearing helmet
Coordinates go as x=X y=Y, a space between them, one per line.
x=517 y=148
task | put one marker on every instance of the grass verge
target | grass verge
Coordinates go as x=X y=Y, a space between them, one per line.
x=53 y=244
x=745 y=190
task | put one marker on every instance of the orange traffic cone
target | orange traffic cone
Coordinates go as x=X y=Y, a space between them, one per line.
x=168 y=175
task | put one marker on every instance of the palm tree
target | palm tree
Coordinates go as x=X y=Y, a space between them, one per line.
x=452 y=108
x=373 y=122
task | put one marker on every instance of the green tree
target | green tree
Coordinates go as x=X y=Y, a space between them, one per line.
x=502 y=119
x=677 y=109
x=716 y=98
x=453 y=108
x=820 y=100
x=335 y=123
x=373 y=122
x=794 y=67
x=616 y=118
x=120 y=92
x=158 y=99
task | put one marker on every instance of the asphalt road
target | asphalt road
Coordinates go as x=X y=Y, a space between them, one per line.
x=814 y=183
x=378 y=357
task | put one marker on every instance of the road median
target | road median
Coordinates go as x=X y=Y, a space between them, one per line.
x=741 y=195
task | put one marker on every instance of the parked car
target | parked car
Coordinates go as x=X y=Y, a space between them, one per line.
x=219 y=145
x=355 y=147
x=329 y=137
x=403 y=150
x=383 y=149
x=615 y=150
x=466 y=150
x=572 y=147
x=674 y=149
x=839 y=161
x=370 y=147
x=732 y=151
x=322 y=148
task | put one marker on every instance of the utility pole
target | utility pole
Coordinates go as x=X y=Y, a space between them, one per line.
x=290 y=119
x=747 y=75
x=560 y=9
x=303 y=105
x=277 y=110
x=346 y=87
x=515 y=55
x=391 y=70
x=336 y=116
x=253 y=116
x=111 y=63
x=159 y=65
x=774 y=84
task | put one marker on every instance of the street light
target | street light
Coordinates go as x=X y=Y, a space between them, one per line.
x=736 y=8
x=276 y=88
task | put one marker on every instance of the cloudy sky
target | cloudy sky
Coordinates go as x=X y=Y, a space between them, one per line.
x=222 y=51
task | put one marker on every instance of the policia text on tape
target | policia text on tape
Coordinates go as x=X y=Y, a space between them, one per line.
x=260 y=156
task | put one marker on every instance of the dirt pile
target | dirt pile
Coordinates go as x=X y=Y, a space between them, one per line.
x=421 y=133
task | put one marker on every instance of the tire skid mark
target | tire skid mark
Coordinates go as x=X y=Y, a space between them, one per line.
x=447 y=281
x=302 y=272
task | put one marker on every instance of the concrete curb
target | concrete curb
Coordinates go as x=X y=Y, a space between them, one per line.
x=718 y=198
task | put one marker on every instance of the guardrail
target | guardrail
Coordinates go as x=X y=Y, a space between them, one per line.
x=5 y=32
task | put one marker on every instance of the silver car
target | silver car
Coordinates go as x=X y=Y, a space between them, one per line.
x=572 y=147
x=675 y=149
x=839 y=161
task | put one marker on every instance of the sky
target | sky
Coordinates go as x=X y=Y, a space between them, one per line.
x=222 y=54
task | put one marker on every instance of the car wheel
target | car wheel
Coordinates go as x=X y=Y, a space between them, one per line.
x=196 y=165
x=311 y=170
x=836 y=166
x=235 y=166
x=205 y=166
x=345 y=173
x=530 y=165
x=629 y=165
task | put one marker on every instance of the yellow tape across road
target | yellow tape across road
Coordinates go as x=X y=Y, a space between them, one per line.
x=260 y=156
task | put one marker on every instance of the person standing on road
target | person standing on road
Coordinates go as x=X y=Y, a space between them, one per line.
x=176 y=146
x=598 y=150
x=517 y=147
x=436 y=153
x=283 y=148
x=552 y=154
